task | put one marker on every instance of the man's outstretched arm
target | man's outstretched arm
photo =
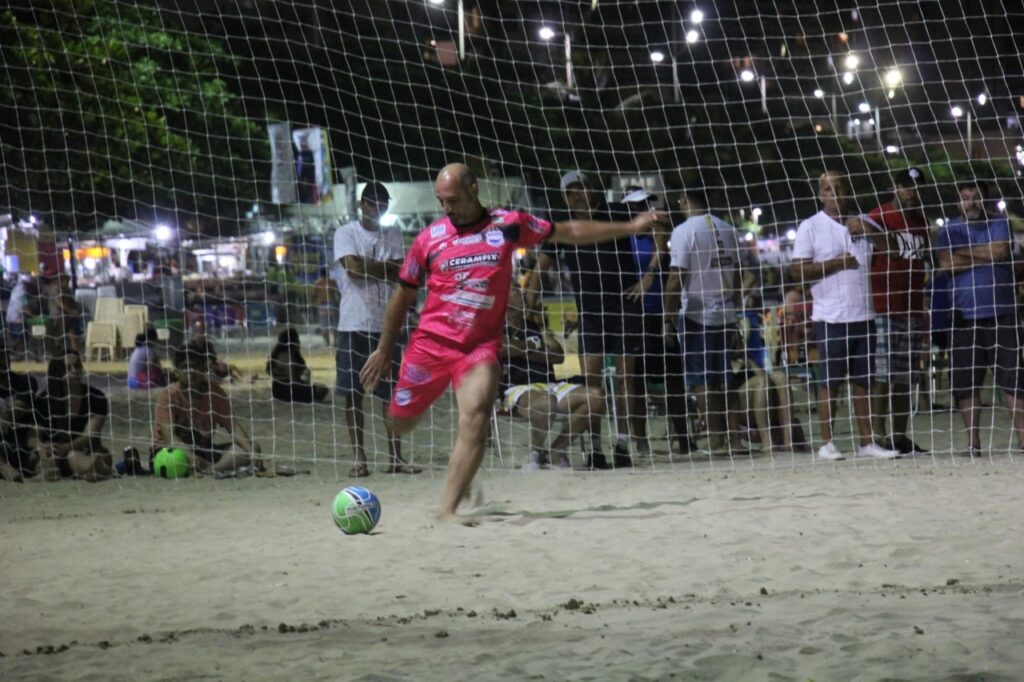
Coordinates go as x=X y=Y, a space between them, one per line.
x=593 y=232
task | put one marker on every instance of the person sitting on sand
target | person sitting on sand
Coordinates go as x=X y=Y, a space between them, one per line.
x=289 y=374
x=17 y=392
x=219 y=368
x=531 y=391
x=144 y=368
x=189 y=412
x=70 y=415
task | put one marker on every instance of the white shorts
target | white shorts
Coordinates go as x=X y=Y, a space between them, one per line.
x=559 y=389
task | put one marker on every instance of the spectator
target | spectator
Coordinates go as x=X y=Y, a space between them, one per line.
x=290 y=377
x=827 y=256
x=23 y=304
x=705 y=267
x=144 y=365
x=974 y=250
x=189 y=411
x=897 y=288
x=66 y=313
x=219 y=368
x=326 y=297
x=649 y=359
x=370 y=256
x=600 y=273
x=17 y=392
x=70 y=415
x=532 y=392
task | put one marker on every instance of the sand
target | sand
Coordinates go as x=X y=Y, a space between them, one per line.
x=753 y=569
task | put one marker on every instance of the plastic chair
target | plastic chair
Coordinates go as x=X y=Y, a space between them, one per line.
x=142 y=309
x=100 y=336
x=129 y=325
x=109 y=309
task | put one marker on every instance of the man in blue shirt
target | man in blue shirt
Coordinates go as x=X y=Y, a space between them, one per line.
x=975 y=252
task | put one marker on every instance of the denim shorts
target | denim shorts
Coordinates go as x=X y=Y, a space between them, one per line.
x=845 y=352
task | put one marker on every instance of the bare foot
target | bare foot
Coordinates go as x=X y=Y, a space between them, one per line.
x=360 y=470
x=452 y=517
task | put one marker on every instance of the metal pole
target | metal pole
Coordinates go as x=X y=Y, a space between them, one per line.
x=970 y=147
x=568 y=61
x=834 y=116
x=764 y=95
x=676 y=87
x=462 y=31
x=878 y=126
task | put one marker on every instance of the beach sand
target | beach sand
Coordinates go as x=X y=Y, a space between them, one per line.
x=757 y=569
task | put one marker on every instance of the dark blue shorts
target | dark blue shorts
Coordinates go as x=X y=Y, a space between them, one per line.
x=845 y=352
x=707 y=353
x=351 y=351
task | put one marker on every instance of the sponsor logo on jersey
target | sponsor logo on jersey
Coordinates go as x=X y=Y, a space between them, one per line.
x=476 y=284
x=438 y=231
x=471 y=239
x=461 y=319
x=403 y=397
x=466 y=262
x=469 y=299
x=494 y=238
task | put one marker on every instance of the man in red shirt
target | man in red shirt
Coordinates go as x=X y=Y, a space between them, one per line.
x=897 y=288
x=465 y=259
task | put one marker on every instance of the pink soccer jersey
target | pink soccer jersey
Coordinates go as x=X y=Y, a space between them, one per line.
x=468 y=271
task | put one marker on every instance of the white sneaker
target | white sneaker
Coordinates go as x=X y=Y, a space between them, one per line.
x=830 y=452
x=877 y=452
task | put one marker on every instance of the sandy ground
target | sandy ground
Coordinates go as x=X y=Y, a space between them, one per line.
x=763 y=569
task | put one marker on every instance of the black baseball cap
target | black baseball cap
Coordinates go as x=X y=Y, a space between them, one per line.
x=376 y=192
x=909 y=177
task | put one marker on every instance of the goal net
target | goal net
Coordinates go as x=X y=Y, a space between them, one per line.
x=202 y=172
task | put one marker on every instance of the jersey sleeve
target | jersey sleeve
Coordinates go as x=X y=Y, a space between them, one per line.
x=680 y=247
x=803 y=245
x=533 y=230
x=414 y=267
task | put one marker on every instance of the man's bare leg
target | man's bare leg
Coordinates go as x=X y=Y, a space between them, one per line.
x=354 y=420
x=881 y=409
x=825 y=413
x=1013 y=404
x=970 y=409
x=862 y=409
x=592 y=366
x=475 y=396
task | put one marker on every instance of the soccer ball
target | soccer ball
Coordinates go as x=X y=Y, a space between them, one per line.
x=170 y=463
x=356 y=510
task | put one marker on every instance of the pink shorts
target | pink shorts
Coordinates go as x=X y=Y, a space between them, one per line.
x=427 y=369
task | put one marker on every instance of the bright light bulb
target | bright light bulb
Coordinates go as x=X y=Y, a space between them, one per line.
x=748 y=237
x=863 y=107
x=852 y=61
x=940 y=221
x=819 y=93
x=983 y=99
x=756 y=212
x=692 y=36
x=269 y=238
x=746 y=75
x=890 y=94
x=657 y=56
x=696 y=16
x=957 y=112
x=791 y=234
x=1001 y=205
x=546 y=33
x=893 y=77
x=848 y=77
x=162 y=233
x=892 y=149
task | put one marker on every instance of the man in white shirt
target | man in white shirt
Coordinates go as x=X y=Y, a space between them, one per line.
x=370 y=256
x=705 y=269
x=833 y=253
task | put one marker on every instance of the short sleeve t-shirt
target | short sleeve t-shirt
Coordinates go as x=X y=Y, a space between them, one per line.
x=144 y=367
x=898 y=284
x=843 y=296
x=58 y=425
x=599 y=273
x=707 y=248
x=468 y=272
x=363 y=301
x=987 y=290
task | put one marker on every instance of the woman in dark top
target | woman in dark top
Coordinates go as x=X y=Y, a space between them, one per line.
x=70 y=416
x=290 y=378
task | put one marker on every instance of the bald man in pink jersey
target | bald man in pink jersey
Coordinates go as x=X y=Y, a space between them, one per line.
x=465 y=259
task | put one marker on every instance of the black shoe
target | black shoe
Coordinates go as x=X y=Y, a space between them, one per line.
x=595 y=461
x=621 y=458
x=905 y=446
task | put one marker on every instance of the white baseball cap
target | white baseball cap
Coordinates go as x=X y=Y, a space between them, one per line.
x=636 y=196
x=574 y=178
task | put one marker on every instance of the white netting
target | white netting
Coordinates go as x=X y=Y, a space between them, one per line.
x=186 y=164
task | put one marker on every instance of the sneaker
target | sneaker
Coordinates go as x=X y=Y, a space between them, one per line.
x=830 y=452
x=876 y=452
x=563 y=462
x=538 y=461
x=595 y=461
x=905 y=446
x=621 y=458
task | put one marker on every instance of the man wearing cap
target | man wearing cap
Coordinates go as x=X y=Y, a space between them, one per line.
x=897 y=291
x=647 y=356
x=600 y=274
x=370 y=256
x=975 y=251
